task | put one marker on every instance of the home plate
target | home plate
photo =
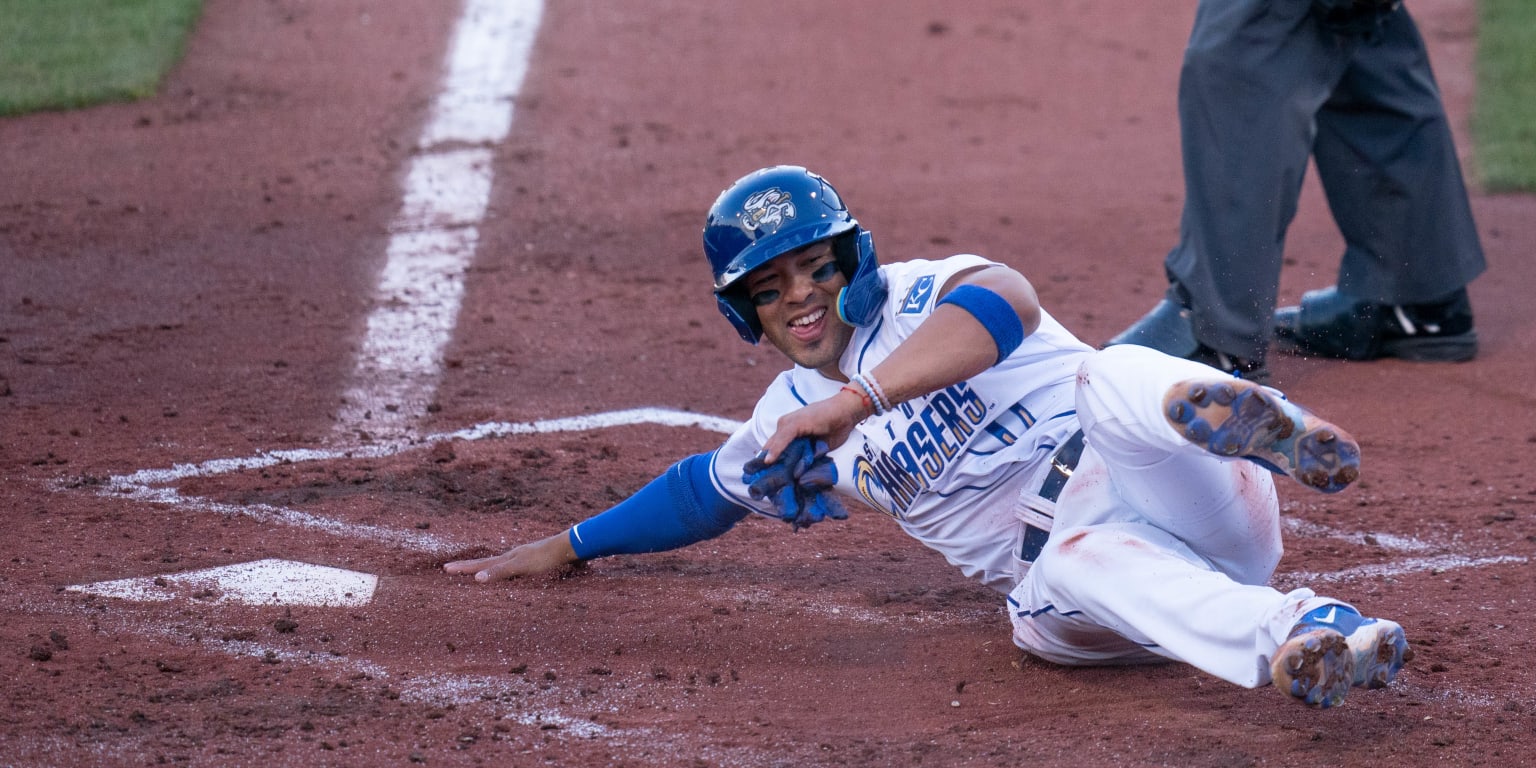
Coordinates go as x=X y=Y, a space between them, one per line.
x=263 y=582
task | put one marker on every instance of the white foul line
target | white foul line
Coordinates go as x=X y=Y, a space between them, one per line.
x=1376 y=571
x=446 y=192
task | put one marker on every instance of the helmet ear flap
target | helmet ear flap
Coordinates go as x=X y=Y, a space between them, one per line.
x=743 y=316
x=859 y=302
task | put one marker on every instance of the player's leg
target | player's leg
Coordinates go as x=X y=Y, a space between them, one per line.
x=1225 y=510
x=1174 y=528
x=1129 y=592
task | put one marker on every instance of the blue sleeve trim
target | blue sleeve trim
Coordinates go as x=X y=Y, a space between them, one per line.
x=679 y=508
x=995 y=314
x=870 y=342
x=795 y=393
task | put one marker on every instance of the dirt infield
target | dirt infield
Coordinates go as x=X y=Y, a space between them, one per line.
x=185 y=284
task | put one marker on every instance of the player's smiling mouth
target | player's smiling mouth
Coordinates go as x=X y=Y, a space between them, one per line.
x=811 y=318
x=808 y=326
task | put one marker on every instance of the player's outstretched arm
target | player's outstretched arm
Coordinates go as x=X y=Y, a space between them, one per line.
x=680 y=508
x=529 y=559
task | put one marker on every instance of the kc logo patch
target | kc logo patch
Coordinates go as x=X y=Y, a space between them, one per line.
x=918 y=297
x=768 y=208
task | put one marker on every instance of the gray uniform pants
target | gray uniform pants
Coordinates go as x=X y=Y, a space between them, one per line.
x=1264 y=85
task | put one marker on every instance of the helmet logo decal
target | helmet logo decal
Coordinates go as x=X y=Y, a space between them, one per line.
x=768 y=208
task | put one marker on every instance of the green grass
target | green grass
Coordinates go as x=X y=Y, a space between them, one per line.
x=1504 y=118
x=62 y=54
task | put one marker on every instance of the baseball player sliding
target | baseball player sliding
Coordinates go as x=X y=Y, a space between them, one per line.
x=1123 y=499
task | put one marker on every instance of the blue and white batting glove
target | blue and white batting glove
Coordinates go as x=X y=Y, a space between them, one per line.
x=797 y=484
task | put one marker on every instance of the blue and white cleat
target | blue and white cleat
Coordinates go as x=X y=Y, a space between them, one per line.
x=1334 y=648
x=1232 y=417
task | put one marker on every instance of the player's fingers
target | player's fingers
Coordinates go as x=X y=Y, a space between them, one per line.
x=773 y=447
x=826 y=421
x=791 y=427
x=785 y=443
x=510 y=568
x=470 y=566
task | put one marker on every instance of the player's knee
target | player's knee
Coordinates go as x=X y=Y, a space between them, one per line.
x=1114 y=361
x=1101 y=362
x=1252 y=561
x=1105 y=377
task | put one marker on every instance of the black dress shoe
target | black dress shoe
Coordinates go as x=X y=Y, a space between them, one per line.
x=1330 y=324
x=1169 y=329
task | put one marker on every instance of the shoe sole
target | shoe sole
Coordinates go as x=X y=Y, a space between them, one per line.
x=1438 y=349
x=1317 y=667
x=1434 y=349
x=1379 y=654
x=1242 y=419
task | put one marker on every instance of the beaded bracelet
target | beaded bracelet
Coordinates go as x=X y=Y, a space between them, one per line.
x=885 y=402
x=875 y=403
x=876 y=395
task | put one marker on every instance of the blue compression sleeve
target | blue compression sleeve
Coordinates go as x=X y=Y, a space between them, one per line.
x=995 y=314
x=679 y=508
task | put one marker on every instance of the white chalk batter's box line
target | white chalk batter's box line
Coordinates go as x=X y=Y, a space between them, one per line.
x=156 y=486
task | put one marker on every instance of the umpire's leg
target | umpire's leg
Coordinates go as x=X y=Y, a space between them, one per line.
x=1387 y=161
x=1255 y=73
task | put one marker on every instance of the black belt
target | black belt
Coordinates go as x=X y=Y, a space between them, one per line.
x=1062 y=463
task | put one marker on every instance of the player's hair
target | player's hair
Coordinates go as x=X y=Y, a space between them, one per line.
x=771 y=212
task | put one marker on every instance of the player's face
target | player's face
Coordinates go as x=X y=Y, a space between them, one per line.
x=796 y=299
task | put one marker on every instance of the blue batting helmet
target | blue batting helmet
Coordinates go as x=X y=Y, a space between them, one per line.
x=774 y=211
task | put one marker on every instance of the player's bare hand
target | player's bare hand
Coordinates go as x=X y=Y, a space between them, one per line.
x=535 y=557
x=832 y=420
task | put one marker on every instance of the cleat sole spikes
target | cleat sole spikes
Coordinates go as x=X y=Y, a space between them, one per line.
x=1244 y=419
x=1380 y=651
x=1332 y=649
x=1316 y=667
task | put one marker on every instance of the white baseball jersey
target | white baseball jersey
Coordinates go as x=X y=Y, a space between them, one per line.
x=948 y=466
x=1158 y=549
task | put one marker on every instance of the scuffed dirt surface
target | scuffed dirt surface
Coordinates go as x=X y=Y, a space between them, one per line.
x=185 y=280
